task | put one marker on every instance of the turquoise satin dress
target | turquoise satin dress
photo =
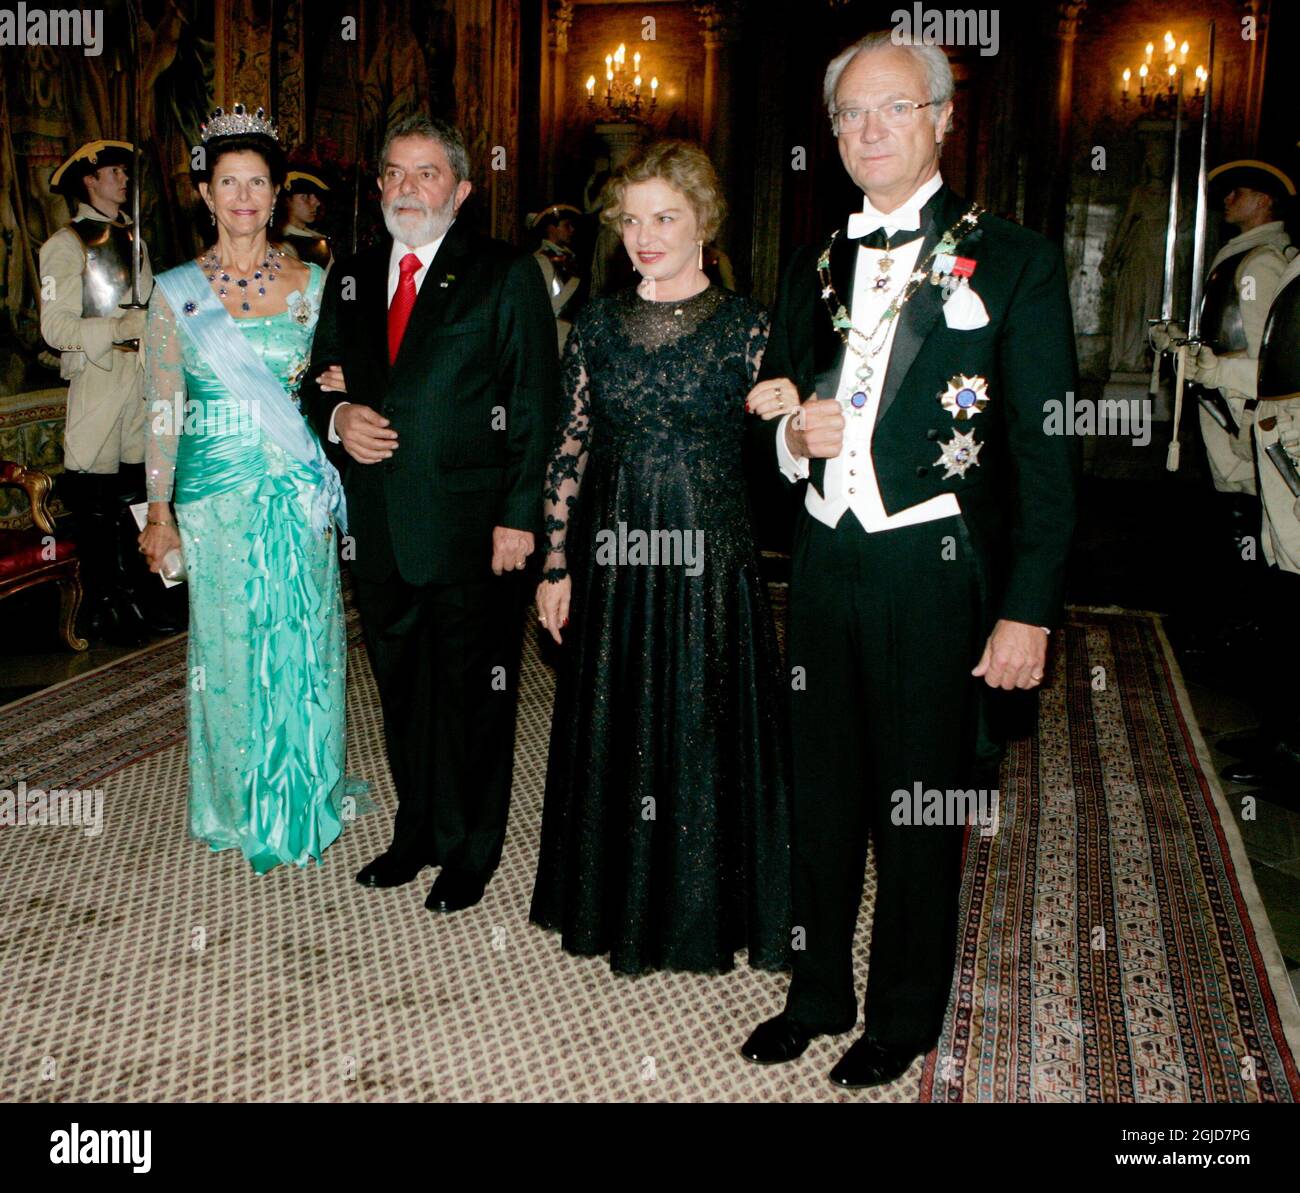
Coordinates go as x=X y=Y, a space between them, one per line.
x=267 y=643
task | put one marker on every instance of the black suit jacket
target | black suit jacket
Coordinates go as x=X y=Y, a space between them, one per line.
x=1018 y=501
x=472 y=396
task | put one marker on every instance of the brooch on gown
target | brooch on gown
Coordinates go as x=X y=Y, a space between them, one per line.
x=965 y=396
x=958 y=454
x=300 y=311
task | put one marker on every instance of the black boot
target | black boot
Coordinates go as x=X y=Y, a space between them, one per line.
x=113 y=616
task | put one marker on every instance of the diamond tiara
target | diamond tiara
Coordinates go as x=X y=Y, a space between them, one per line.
x=238 y=120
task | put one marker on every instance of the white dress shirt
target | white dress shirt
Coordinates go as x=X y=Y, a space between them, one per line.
x=850 y=480
x=426 y=253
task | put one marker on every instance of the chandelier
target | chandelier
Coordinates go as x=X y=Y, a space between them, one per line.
x=622 y=100
x=1162 y=84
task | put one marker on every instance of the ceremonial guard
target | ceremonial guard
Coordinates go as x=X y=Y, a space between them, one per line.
x=305 y=193
x=1272 y=758
x=86 y=275
x=558 y=262
x=1241 y=283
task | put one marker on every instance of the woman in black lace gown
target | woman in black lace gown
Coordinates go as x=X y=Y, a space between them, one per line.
x=665 y=838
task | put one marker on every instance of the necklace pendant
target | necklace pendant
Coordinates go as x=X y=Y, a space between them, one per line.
x=886 y=263
x=882 y=281
x=864 y=373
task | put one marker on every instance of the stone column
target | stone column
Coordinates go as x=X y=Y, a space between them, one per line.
x=720 y=29
x=1045 y=206
x=1258 y=55
x=553 y=87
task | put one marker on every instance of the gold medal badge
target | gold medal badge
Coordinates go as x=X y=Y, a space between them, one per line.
x=965 y=396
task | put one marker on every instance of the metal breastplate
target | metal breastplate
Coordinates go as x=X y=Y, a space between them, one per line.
x=315 y=249
x=1221 y=324
x=1279 y=353
x=106 y=281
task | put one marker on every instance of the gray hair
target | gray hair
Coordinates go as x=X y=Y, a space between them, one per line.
x=938 y=74
x=444 y=132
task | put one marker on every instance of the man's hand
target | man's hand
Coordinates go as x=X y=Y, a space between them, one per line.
x=1163 y=335
x=1203 y=367
x=1014 y=656
x=771 y=399
x=364 y=433
x=816 y=431
x=510 y=549
x=130 y=326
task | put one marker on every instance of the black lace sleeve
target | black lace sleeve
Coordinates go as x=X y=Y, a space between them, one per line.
x=756 y=344
x=569 y=458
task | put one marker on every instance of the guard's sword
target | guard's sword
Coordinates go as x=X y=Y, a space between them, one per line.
x=1198 y=260
x=137 y=251
x=1171 y=243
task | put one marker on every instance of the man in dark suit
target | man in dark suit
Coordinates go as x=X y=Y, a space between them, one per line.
x=908 y=378
x=444 y=344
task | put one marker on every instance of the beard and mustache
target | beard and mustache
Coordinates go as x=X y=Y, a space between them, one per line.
x=403 y=226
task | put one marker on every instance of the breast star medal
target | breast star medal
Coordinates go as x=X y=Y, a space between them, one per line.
x=965 y=396
x=958 y=454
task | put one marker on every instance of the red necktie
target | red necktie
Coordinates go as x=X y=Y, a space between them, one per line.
x=399 y=311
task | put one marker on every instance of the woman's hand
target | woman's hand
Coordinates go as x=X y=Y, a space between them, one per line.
x=331 y=380
x=155 y=541
x=771 y=399
x=553 y=605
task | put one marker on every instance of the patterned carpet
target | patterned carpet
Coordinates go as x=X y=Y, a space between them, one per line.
x=1114 y=949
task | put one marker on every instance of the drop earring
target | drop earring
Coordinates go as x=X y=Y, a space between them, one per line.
x=699 y=262
x=212 y=212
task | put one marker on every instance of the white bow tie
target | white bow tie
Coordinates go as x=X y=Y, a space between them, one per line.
x=863 y=223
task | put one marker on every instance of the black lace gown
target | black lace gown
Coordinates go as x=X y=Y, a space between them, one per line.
x=665 y=830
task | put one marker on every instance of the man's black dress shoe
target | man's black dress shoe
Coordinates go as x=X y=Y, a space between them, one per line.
x=388 y=869
x=868 y=1063
x=780 y=1039
x=1271 y=769
x=453 y=890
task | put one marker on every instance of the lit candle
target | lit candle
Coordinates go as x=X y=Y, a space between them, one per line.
x=591 y=86
x=1169 y=44
x=1128 y=74
x=609 y=61
x=1200 y=78
x=636 y=83
x=654 y=86
x=1150 y=50
x=1173 y=70
x=636 y=60
x=1142 y=79
x=1182 y=54
x=619 y=53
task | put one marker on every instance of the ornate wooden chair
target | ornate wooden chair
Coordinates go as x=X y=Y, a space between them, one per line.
x=38 y=554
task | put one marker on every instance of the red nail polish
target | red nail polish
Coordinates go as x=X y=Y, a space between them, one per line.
x=564 y=623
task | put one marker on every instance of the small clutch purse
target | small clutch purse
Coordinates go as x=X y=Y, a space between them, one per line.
x=173 y=567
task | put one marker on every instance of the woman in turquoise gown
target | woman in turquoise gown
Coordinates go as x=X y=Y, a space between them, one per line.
x=228 y=340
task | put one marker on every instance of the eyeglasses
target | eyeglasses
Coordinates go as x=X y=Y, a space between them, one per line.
x=892 y=115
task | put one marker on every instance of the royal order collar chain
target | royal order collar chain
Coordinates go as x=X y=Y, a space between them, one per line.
x=873 y=341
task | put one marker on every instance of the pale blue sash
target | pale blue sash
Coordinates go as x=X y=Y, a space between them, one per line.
x=219 y=341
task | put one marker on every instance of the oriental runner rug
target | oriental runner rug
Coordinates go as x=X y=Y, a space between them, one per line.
x=1113 y=945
